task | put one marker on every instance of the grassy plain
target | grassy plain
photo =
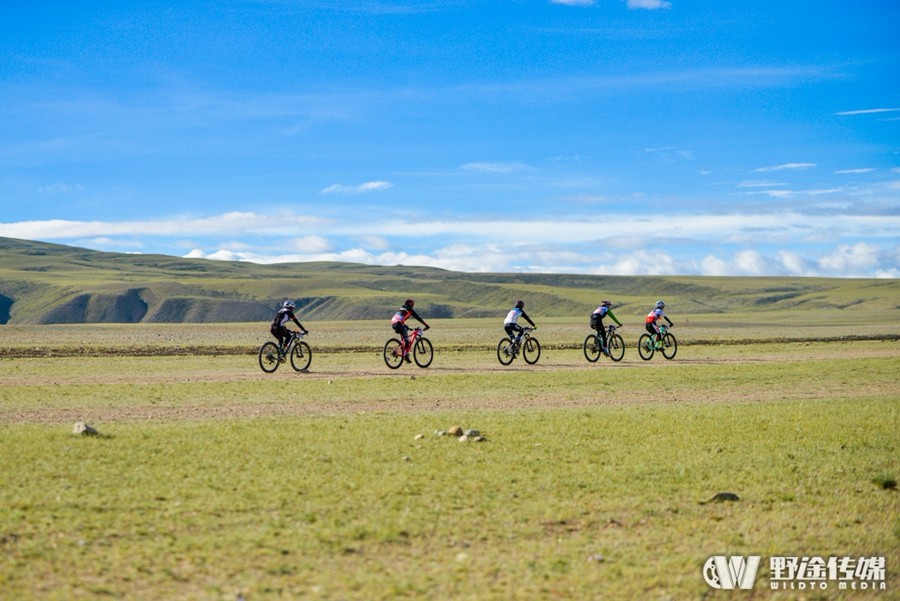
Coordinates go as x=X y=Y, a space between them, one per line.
x=213 y=480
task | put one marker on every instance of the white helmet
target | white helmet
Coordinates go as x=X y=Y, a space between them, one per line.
x=289 y=305
x=660 y=304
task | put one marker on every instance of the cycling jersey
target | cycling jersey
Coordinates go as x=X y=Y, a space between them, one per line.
x=655 y=314
x=598 y=315
x=403 y=314
x=513 y=317
x=283 y=316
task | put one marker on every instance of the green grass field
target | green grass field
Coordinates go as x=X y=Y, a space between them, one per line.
x=212 y=480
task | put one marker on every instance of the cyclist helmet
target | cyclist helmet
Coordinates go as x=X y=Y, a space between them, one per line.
x=289 y=305
x=409 y=303
x=660 y=304
x=606 y=303
x=520 y=304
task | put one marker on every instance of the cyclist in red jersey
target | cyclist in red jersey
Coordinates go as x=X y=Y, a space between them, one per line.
x=398 y=323
x=653 y=317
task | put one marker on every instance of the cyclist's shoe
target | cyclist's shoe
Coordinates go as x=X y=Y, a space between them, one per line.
x=407 y=359
x=605 y=351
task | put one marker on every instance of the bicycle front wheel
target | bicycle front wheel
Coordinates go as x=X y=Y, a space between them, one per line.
x=645 y=347
x=268 y=357
x=616 y=347
x=301 y=356
x=670 y=346
x=423 y=352
x=505 y=351
x=592 y=348
x=393 y=353
x=531 y=350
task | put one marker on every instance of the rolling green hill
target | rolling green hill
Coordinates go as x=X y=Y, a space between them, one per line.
x=43 y=283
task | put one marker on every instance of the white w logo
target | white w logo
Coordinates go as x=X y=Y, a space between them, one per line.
x=729 y=573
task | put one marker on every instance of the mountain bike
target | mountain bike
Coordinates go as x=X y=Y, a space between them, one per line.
x=615 y=346
x=422 y=350
x=668 y=346
x=508 y=349
x=270 y=356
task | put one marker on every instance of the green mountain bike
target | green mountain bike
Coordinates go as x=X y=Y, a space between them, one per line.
x=667 y=345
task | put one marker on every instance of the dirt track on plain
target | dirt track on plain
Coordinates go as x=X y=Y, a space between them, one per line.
x=353 y=383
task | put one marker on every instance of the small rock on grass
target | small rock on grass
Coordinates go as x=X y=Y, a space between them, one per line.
x=722 y=497
x=84 y=429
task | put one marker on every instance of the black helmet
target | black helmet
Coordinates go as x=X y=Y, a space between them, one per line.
x=606 y=303
x=409 y=303
x=520 y=304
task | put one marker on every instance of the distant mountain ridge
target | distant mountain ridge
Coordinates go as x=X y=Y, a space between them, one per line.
x=43 y=283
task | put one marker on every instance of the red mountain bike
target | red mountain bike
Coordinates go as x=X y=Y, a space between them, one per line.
x=419 y=346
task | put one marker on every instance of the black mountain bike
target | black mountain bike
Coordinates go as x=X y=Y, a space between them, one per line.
x=615 y=346
x=508 y=349
x=270 y=356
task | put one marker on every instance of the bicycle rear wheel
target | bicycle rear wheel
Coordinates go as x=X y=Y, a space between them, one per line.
x=670 y=346
x=505 y=351
x=301 y=356
x=393 y=353
x=616 y=347
x=423 y=352
x=645 y=347
x=531 y=350
x=592 y=348
x=268 y=357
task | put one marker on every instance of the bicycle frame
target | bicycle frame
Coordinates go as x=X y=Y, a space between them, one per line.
x=413 y=336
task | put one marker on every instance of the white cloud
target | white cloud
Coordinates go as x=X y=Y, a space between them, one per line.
x=851 y=171
x=225 y=224
x=773 y=243
x=375 y=186
x=648 y=4
x=311 y=244
x=849 y=259
x=375 y=242
x=574 y=2
x=760 y=183
x=785 y=167
x=868 y=111
x=751 y=262
x=795 y=264
x=493 y=167
x=60 y=189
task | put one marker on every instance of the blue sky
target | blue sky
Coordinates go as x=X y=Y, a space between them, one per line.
x=609 y=136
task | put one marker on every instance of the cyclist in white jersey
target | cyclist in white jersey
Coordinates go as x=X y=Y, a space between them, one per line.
x=511 y=325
